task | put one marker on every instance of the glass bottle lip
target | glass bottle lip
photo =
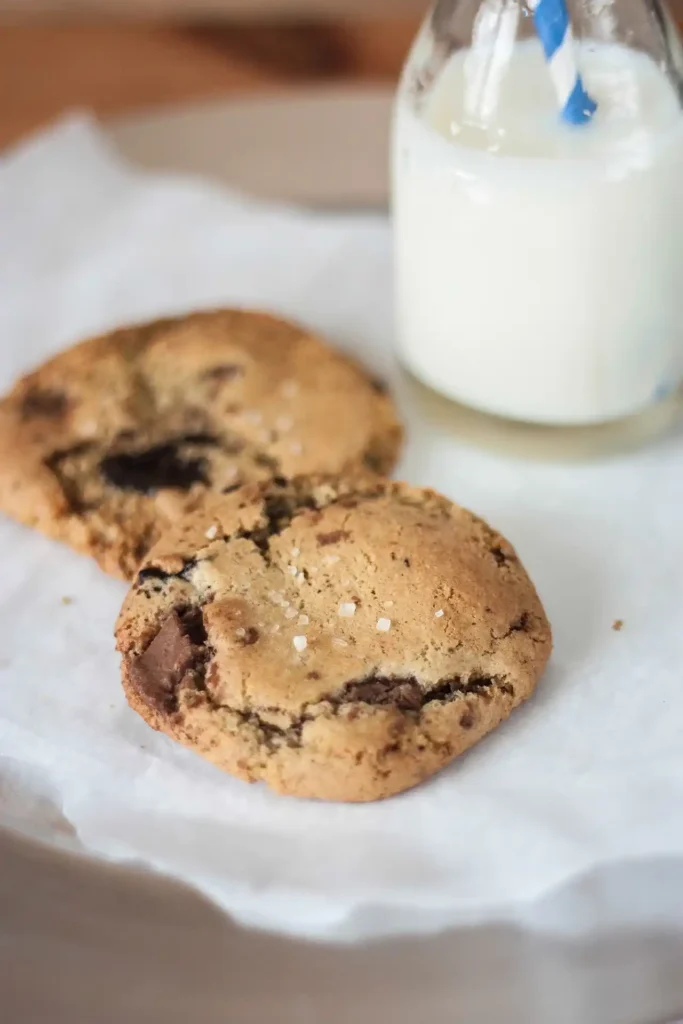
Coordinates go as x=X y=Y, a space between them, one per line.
x=630 y=149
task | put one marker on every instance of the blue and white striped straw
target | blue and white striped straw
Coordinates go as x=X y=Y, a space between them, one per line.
x=551 y=19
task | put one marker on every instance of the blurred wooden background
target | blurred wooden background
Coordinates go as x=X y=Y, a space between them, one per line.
x=50 y=64
x=117 y=56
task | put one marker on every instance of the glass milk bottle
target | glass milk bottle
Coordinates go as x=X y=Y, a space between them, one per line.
x=538 y=208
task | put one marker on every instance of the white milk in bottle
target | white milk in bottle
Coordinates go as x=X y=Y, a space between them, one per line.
x=539 y=266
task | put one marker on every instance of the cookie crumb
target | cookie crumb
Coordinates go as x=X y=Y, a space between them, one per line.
x=240 y=632
x=347 y=609
x=290 y=613
x=303 y=620
x=437 y=615
x=618 y=625
x=301 y=577
x=292 y=570
x=300 y=643
x=212 y=532
x=67 y=600
x=384 y=625
x=295 y=552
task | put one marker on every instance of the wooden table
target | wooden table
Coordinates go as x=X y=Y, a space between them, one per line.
x=117 y=67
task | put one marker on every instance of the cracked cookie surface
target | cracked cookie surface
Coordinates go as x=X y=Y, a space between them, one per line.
x=110 y=441
x=336 y=639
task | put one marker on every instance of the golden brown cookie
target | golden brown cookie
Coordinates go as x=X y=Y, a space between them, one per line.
x=338 y=640
x=110 y=441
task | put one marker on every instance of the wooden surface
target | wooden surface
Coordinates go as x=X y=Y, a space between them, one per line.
x=119 y=67
x=248 y=9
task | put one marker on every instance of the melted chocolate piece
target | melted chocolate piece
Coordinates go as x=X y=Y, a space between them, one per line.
x=405 y=693
x=177 y=654
x=153 y=572
x=159 y=467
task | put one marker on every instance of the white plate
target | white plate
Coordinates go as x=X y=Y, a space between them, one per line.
x=324 y=148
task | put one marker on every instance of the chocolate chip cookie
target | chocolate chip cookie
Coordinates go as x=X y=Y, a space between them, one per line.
x=341 y=640
x=110 y=441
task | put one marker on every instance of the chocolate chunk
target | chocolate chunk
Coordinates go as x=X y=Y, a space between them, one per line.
x=176 y=654
x=332 y=538
x=46 y=402
x=153 y=572
x=404 y=693
x=163 y=466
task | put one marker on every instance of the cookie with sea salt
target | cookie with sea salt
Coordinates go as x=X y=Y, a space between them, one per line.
x=336 y=639
x=107 y=443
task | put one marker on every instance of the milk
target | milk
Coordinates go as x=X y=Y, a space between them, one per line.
x=539 y=267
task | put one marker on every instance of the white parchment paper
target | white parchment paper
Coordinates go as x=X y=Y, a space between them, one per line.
x=589 y=773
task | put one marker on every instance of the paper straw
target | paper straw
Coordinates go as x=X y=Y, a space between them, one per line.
x=551 y=19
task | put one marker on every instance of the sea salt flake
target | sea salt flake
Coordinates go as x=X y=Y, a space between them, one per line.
x=347 y=609
x=437 y=615
x=384 y=625
x=300 y=643
x=303 y=620
x=212 y=532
